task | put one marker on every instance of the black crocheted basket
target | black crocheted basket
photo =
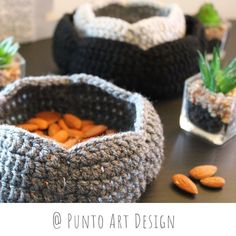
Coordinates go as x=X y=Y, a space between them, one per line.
x=112 y=168
x=158 y=72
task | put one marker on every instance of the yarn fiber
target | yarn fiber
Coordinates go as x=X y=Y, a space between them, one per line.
x=113 y=168
x=158 y=72
x=162 y=23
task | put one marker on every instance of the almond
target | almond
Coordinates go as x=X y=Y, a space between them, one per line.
x=87 y=127
x=72 y=121
x=95 y=131
x=70 y=142
x=202 y=171
x=62 y=124
x=74 y=133
x=87 y=122
x=213 y=182
x=185 y=183
x=41 y=133
x=49 y=116
x=53 y=129
x=29 y=127
x=42 y=124
x=61 y=136
x=86 y=139
x=110 y=131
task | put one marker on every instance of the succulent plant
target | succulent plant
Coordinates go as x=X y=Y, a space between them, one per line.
x=208 y=15
x=215 y=78
x=7 y=50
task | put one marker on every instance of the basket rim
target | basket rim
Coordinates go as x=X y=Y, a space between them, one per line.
x=194 y=35
x=93 y=18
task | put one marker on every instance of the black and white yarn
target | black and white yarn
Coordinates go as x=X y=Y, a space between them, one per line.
x=165 y=23
x=113 y=168
x=158 y=72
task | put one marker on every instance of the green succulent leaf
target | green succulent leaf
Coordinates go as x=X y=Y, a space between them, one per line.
x=8 y=49
x=214 y=77
x=215 y=63
x=205 y=72
x=208 y=15
x=227 y=86
x=231 y=67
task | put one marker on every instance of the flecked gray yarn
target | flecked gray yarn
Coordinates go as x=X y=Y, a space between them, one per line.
x=113 y=168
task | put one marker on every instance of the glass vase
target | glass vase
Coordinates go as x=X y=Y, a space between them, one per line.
x=207 y=114
x=217 y=36
x=13 y=71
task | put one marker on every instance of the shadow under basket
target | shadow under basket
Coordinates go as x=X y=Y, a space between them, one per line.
x=112 y=168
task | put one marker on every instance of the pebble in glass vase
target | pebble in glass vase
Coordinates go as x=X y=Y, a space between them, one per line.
x=12 y=64
x=209 y=102
x=216 y=29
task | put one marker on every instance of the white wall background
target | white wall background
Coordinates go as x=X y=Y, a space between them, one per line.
x=30 y=20
x=227 y=8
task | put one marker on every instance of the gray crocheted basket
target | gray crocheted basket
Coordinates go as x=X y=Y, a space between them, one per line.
x=114 y=168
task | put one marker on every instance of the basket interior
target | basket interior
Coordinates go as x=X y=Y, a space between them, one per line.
x=131 y=13
x=83 y=100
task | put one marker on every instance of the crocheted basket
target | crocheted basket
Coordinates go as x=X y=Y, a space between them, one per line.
x=143 y=23
x=158 y=72
x=113 y=168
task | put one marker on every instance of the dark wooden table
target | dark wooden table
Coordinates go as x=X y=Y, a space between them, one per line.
x=182 y=151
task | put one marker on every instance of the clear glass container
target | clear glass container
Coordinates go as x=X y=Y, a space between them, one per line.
x=220 y=33
x=13 y=71
x=207 y=114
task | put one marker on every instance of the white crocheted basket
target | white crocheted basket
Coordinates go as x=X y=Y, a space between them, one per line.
x=152 y=23
x=113 y=168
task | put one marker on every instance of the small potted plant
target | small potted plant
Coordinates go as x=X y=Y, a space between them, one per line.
x=216 y=29
x=209 y=102
x=12 y=64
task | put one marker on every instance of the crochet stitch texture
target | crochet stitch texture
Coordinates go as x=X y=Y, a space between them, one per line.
x=114 y=168
x=158 y=72
x=162 y=23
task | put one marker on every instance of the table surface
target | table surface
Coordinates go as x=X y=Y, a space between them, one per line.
x=182 y=150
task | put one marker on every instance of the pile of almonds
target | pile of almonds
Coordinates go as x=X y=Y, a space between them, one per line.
x=66 y=129
x=204 y=174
